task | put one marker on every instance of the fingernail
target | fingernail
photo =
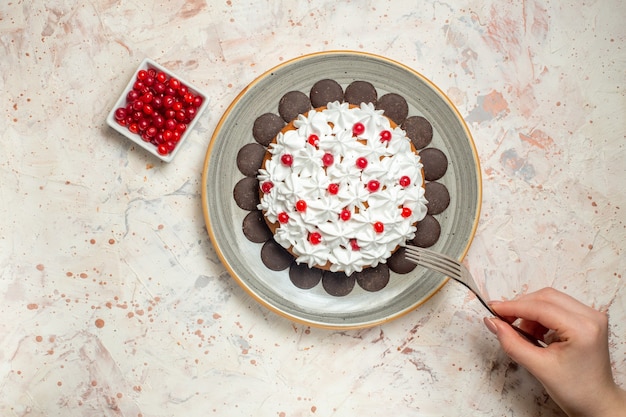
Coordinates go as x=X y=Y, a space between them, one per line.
x=491 y=325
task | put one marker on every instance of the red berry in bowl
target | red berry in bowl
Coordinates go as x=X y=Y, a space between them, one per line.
x=161 y=77
x=132 y=96
x=162 y=149
x=174 y=83
x=121 y=114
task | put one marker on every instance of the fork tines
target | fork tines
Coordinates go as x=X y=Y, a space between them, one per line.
x=433 y=260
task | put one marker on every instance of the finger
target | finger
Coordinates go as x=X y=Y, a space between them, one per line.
x=535 y=329
x=518 y=348
x=548 y=314
x=552 y=296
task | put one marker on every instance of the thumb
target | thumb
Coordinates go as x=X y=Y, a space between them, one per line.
x=519 y=349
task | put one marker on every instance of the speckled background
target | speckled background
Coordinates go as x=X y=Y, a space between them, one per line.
x=113 y=300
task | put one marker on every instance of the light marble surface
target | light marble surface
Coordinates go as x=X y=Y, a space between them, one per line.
x=113 y=300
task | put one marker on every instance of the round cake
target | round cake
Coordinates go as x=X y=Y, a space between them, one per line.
x=342 y=187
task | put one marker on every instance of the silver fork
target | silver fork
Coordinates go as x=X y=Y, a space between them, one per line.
x=458 y=272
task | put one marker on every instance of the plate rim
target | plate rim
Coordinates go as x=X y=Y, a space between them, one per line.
x=206 y=209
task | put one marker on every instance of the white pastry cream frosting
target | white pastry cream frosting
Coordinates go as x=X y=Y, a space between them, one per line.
x=344 y=188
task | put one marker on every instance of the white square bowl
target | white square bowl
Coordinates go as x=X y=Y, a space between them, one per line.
x=148 y=64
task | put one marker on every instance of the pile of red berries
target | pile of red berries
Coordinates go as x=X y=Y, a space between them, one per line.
x=158 y=108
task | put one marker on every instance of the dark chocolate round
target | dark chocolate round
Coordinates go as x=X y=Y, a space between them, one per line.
x=360 y=92
x=250 y=158
x=324 y=92
x=338 y=283
x=255 y=228
x=266 y=127
x=395 y=107
x=373 y=279
x=292 y=104
x=398 y=262
x=246 y=193
x=427 y=233
x=419 y=130
x=435 y=163
x=438 y=197
x=275 y=257
x=304 y=277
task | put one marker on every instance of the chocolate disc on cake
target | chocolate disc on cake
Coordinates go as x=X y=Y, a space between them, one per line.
x=398 y=262
x=304 y=277
x=435 y=163
x=266 y=127
x=249 y=159
x=246 y=193
x=338 y=283
x=373 y=279
x=255 y=228
x=438 y=197
x=427 y=233
x=419 y=130
x=324 y=92
x=275 y=257
x=292 y=104
x=360 y=92
x=395 y=107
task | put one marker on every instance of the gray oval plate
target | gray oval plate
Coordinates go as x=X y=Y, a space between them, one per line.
x=224 y=218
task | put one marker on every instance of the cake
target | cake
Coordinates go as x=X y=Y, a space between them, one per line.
x=342 y=188
x=251 y=157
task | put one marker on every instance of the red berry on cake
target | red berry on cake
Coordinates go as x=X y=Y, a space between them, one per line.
x=355 y=246
x=328 y=159
x=315 y=238
x=314 y=140
x=373 y=185
x=358 y=129
x=361 y=162
x=301 y=205
x=385 y=136
x=379 y=227
x=345 y=215
x=333 y=188
x=267 y=186
x=286 y=160
x=405 y=181
x=406 y=212
x=283 y=217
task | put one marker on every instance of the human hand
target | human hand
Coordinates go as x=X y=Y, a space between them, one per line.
x=575 y=367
